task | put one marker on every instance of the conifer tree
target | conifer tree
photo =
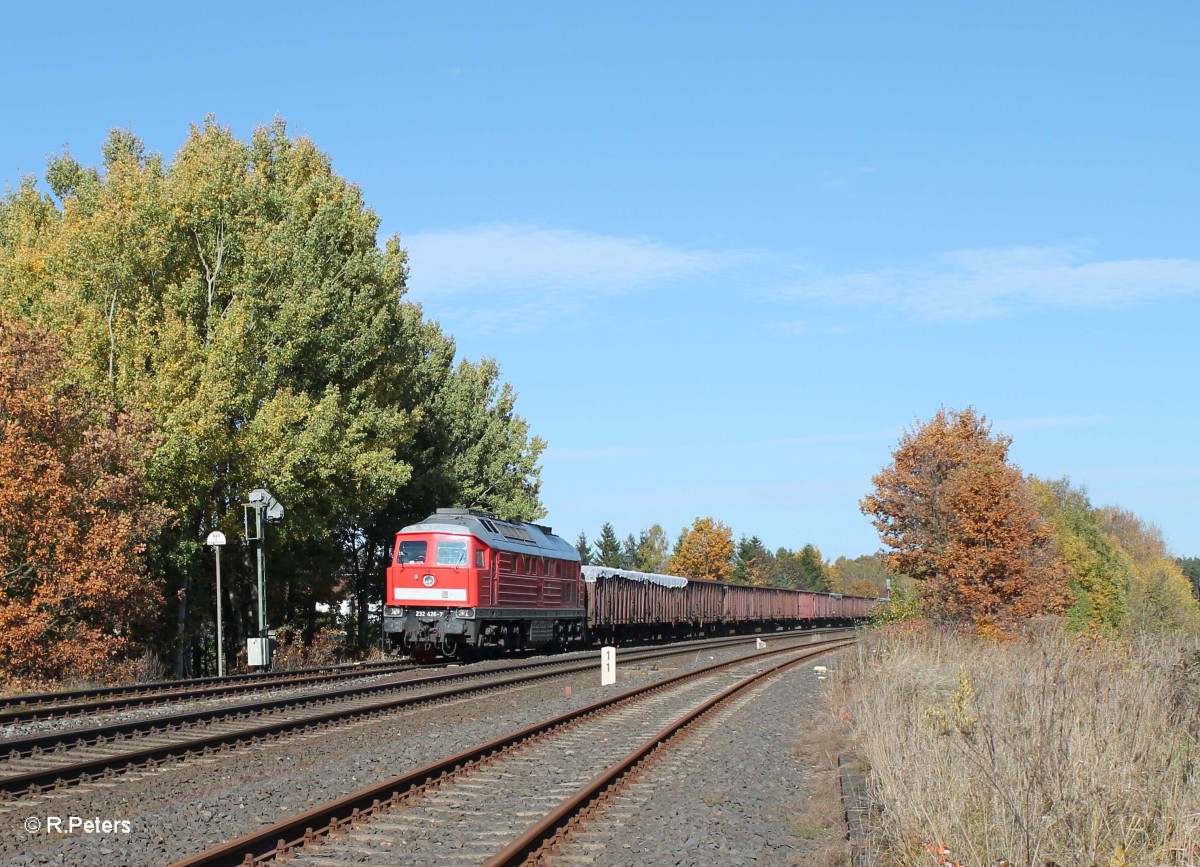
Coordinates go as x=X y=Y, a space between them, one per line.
x=584 y=549
x=608 y=548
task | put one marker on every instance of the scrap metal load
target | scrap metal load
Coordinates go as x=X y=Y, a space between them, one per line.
x=621 y=602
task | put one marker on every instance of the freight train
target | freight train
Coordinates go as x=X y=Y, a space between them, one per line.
x=463 y=582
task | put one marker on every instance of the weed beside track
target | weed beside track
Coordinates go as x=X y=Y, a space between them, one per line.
x=1046 y=749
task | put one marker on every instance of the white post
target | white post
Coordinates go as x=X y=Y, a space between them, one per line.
x=216 y=539
x=608 y=666
x=220 y=631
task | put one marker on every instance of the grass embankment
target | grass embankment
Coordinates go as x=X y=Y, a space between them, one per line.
x=1047 y=749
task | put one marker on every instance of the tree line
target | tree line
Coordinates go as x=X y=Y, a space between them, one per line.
x=176 y=334
x=707 y=550
x=987 y=545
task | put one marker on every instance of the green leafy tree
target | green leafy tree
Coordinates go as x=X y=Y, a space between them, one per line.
x=801 y=570
x=238 y=297
x=1160 y=595
x=652 y=550
x=1100 y=573
x=845 y=574
x=787 y=571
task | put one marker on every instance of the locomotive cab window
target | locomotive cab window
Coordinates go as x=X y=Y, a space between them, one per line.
x=452 y=553
x=411 y=552
x=478 y=558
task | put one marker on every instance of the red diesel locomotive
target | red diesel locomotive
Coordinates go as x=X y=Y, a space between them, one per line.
x=464 y=579
x=461 y=581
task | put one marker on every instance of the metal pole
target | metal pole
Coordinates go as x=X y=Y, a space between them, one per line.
x=220 y=631
x=262 y=572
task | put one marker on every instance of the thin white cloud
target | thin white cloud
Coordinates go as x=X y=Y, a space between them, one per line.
x=520 y=278
x=523 y=258
x=979 y=284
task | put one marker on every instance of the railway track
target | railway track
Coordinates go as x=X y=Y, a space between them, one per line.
x=257 y=680
x=284 y=680
x=514 y=798
x=62 y=758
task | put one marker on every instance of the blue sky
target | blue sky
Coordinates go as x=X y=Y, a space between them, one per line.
x=727 y=252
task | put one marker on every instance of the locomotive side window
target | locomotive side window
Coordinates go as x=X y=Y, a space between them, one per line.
x=478 y=558
x=411 y=552
x=452 y=553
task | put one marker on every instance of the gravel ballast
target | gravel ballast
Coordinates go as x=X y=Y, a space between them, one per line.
x=182 y=809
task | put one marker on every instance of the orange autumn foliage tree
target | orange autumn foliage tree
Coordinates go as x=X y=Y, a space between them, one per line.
x=704 y=551
x=961 y=520
x=73 y=521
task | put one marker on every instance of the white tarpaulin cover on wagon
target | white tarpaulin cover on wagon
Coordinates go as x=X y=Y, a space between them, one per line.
x=592 y=573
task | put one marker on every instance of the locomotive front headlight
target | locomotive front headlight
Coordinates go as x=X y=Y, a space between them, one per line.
x=428 y=580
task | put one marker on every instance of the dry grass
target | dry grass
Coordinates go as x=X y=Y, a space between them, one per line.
x=1044 y=750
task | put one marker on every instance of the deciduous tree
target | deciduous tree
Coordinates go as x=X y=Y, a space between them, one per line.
x=866 y=569
x=652 y=550
x=75 y=594
x=238 y=296
x=1099 y=571
x=1160 y=595
x=961 y=521
x=704 y=551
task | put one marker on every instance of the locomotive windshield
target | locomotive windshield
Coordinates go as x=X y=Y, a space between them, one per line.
x=452 y=554
x=411 y=552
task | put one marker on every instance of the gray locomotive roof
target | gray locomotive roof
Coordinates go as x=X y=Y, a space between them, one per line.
x=519 y=538
x=592 y=573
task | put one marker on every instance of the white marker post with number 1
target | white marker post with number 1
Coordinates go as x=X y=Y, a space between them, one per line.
x=608 y=666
